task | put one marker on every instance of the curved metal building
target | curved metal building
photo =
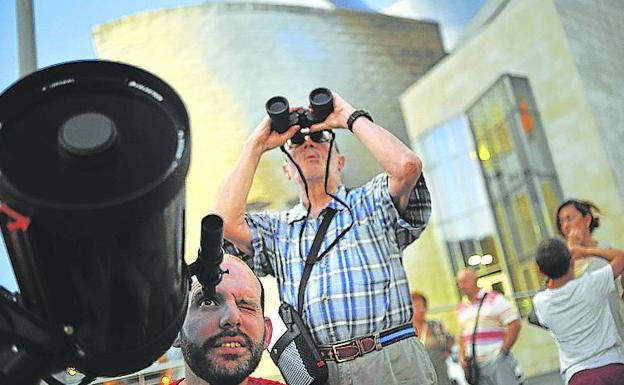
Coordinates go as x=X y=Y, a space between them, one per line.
x=227 y=58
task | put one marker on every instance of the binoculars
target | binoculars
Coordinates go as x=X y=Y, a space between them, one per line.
x=321 y=101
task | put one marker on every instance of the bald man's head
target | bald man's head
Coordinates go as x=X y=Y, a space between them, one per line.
x=467 y=282
x=223 y=336
x=229 y=259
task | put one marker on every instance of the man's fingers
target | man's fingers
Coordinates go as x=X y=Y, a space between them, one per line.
x=292 y=130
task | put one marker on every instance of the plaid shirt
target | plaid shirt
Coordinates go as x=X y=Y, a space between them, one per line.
x=360 y=286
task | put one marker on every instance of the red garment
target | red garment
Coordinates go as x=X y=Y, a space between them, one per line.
x=611 y=374
x=251 y=381
x=262 y=381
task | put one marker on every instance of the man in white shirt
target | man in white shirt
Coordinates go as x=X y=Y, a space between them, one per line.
x=577 y=313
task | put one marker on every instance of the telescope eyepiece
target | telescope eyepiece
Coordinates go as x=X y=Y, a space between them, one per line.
x=210 y=255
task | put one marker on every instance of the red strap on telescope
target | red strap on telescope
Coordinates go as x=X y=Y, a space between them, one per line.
x=19 y=222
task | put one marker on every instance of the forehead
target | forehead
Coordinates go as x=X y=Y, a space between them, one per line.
x=568 y=210
x=240 y=281
x=464 y=276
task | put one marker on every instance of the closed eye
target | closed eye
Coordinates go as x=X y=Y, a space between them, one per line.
x=249 y=306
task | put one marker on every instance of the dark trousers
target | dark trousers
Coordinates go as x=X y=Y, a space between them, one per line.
x=612 y=374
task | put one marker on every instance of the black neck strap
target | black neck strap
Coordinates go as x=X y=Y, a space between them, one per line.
x=309 y=206
x=313 y=255
x=474 y=332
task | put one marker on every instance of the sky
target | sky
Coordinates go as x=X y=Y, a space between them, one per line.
x=63 y=29
x=63 y=33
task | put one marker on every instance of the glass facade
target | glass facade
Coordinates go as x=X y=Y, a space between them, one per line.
x=520 y=177
x=495 y=184
x=461 y=209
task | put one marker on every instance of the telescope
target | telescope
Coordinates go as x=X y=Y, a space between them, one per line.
x=93 y=161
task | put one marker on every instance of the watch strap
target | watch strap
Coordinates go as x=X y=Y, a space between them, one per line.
x=357 y=114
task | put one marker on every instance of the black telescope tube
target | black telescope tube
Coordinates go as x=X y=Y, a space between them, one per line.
x=93 y=161
x=210 y=254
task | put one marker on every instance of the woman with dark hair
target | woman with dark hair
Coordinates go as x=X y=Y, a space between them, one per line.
x=576 y=221
x=576 y=213
x=433 y=335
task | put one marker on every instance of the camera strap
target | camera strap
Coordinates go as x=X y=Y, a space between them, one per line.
x=313 y=255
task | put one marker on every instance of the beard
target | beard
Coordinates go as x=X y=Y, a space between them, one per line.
x=198 y=359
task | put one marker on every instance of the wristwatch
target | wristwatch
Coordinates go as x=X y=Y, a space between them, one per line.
x=504 y=352
x=356 y=114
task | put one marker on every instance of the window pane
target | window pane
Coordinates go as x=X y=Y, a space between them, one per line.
x=519 y=174
x=461 y=210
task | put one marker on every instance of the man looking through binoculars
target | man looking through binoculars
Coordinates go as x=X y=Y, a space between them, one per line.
x=357 y=303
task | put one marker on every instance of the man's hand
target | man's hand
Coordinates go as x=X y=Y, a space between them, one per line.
x=462 y=361
x=269 y=139
x=577 y=252
x=338 y=118
x=397 y=160
x=574 y=237
x=511 y=334
x=461 y=354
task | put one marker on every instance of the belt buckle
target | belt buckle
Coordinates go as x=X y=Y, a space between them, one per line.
x=377 y=341
x=337 y=358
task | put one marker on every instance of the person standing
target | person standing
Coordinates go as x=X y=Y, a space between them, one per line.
x=577 y=314
x=433 y=335
x=357 y=302
x=576 y=222
x=497 y=329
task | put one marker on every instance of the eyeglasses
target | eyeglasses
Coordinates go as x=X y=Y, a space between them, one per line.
x=298 y=139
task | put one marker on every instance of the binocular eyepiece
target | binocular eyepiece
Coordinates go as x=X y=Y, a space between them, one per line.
x=321 y=101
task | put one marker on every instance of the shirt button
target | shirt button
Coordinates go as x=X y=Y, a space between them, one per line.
x=324 y=297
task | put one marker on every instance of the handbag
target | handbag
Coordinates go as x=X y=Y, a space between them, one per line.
x=295 y=353
x=471 y=370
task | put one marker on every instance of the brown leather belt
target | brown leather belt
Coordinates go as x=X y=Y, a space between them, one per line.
x=350 y=350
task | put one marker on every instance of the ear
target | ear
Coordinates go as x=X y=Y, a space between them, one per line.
x=341 y=162
x=286 y=170
x=268 y=332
